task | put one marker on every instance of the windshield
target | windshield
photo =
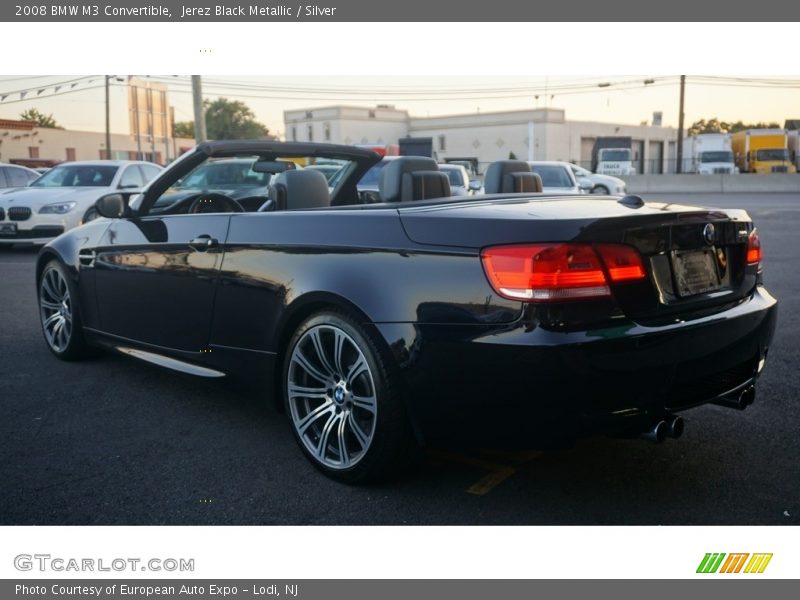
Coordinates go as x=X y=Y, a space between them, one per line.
x=772 y=154
x=553 y=176
x=223 y=174
x=78 y=176
x=721 y=156
x=372 y=176
x=621 y=155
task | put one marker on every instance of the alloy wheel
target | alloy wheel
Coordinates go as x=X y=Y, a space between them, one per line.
x=332 y=397
x=55 y=309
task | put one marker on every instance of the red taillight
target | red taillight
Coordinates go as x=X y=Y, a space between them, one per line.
x=623 y=262
x=754 y=253
x=551 y=272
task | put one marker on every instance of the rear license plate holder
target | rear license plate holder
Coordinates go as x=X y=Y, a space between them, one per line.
x=8 y=230
x=695 y=271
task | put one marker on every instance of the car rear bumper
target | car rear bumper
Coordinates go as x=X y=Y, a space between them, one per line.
x=521 y=384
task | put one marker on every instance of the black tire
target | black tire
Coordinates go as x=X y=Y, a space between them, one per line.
x=68 y=343
x=390 y=446
x=600 y=189
x=90 y=215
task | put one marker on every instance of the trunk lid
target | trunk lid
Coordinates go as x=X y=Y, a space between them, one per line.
x=695 y=257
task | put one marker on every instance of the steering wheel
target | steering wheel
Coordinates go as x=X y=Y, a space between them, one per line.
x=213 y=202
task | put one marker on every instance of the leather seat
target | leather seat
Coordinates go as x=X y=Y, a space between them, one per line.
x=297 y=189
x=511 y=177
x=412 y=178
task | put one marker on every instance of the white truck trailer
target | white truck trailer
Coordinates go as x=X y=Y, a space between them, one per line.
x=708 y=154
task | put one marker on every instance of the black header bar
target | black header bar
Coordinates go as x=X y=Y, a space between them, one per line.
x=405 y=11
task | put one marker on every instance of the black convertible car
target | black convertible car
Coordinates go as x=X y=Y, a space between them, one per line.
x=512 y=318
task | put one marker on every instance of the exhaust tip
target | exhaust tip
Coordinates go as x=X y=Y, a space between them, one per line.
x=676 y=427
x=748 y=396
x=657 y=433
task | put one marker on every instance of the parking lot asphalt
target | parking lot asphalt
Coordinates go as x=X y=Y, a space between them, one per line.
x=115 y=441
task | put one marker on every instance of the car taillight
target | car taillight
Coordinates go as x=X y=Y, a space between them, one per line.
x=623 y=262
x=553 y=272
x=754 y=253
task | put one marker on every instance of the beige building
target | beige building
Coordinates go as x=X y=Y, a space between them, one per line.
x=22 y=142
x=484 y=137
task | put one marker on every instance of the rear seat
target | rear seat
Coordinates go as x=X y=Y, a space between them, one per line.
x=511 y=177
x=413 y=178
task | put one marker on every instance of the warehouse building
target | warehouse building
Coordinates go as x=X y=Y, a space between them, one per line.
x=485 y=137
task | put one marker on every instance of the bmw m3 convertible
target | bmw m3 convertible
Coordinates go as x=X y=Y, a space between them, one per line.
x=515 y=317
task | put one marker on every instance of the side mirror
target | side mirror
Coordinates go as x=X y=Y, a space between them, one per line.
x=111 y=206
x=475 y=185
x=584 y=184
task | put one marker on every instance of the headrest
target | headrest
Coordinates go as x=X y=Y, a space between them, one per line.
x=429 y=184
x=299 y=189
x=511 y=177
x=396 y=183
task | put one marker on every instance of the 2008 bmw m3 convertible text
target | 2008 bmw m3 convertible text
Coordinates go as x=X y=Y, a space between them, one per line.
x=514 y=317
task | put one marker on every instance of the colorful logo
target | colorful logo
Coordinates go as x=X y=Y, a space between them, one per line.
x=734 y=563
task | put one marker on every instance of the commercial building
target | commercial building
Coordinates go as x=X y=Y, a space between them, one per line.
x=485 y=137
x=23 y=142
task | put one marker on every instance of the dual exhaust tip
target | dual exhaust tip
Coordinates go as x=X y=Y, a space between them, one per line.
x=738 y=401
x=672 y=426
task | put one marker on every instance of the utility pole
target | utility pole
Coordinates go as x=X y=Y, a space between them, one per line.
x=108 y=120
x=679 y=166
x=199 y=118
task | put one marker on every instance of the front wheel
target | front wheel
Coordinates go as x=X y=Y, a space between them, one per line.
x=600 y=189
x=59 y=315
x=344 y=407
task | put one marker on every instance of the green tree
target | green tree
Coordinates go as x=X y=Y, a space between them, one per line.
x=716 y=126
x=512 y=156
x=184 y=129
x=40 y=119
x=231 y=120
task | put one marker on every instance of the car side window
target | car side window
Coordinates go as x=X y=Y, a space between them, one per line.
x=149 y=172
x=3 y=177
x=18 y=177
x=131 y=178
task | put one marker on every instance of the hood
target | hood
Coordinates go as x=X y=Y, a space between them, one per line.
x=35 y=198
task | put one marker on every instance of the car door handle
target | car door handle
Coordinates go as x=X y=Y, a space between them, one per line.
x=203 y=242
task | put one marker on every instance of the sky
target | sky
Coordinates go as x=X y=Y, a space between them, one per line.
x=618 y=99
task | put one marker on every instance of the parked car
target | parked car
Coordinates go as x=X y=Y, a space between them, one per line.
x=600 y=184
x=231 y=177
x=558 y=177
x=15 y=176
x=503 y=319
x=64 y=197
x=460 y=183
x=329 y=169
x=368 y=185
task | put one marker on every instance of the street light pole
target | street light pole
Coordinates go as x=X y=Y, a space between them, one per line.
x=108 y=120
x=199 y=117
x=679 y=166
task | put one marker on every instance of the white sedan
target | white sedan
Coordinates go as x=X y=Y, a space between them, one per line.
x=64 y=197
x=601 y=184
x=557 y=177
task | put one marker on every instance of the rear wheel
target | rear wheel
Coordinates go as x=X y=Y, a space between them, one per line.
x=345 y=411
x=59 y=315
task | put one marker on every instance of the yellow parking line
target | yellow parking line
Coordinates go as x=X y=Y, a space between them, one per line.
x=498 y=472
x=486 y=484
